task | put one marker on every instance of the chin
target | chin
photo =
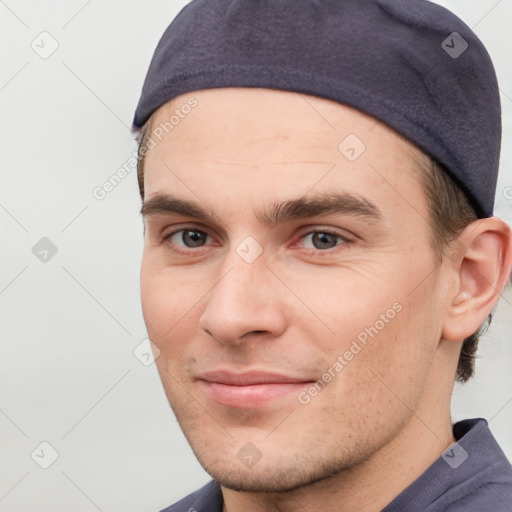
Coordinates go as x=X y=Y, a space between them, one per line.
x=274 y=481
x=276 y=475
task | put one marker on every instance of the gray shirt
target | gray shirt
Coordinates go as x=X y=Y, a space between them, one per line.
x=472 y=475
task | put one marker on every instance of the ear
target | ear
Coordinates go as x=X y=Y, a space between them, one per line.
x=481 y=257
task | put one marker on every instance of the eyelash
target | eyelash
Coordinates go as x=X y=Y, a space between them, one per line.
x=344 y=241
x=312 y=251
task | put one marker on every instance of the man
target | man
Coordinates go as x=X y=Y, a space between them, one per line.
x=320 y=253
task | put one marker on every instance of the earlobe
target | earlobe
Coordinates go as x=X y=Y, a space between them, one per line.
x=482 y=271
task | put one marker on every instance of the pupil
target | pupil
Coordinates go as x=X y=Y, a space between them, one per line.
x=193 y=238
x=324 y=240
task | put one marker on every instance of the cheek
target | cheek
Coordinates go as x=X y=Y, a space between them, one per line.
x=168 y=311
x=345 y=303
x=396 y=354
x=379 y=324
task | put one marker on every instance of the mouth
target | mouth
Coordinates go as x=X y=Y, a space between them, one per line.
x=250 y=389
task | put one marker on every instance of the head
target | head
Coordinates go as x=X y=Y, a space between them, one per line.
x=449 y=213
x=271 y=251
x=319 y=245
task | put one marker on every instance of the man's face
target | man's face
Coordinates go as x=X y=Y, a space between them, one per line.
x=289 y=284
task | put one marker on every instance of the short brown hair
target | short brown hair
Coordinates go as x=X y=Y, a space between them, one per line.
x=450 y=213
x=142 y=137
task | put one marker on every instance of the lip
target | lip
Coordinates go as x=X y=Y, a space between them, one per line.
x=249 y=389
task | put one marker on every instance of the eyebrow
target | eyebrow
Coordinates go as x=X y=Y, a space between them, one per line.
x=320 y=204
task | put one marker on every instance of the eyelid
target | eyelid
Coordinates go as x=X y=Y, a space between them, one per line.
x=168 y=231
x=166 y=236
x=331 y=230
x=345 y=242
x=345 y=236
x=178 y=251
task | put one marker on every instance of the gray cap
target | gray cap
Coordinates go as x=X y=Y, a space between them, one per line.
x=409 y=63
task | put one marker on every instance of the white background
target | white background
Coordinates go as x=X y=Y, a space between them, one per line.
x=69 y=326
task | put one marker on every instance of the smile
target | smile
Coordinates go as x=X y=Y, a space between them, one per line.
x=249 y=390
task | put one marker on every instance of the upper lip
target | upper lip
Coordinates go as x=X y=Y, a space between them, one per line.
x=249 y=378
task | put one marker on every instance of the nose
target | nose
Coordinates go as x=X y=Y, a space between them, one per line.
x=245 y=302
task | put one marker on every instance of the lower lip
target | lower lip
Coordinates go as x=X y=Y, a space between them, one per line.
x=250 y=396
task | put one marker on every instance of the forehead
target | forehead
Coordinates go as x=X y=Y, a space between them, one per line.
x=270 y=143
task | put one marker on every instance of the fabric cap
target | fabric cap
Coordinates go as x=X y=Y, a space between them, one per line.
x=409 y=63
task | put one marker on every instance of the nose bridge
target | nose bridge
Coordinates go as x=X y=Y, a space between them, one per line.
x=242 y=300
x=245 y=271
x=242 y=285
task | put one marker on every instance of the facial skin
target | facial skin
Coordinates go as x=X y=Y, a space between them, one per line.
x=318 y=283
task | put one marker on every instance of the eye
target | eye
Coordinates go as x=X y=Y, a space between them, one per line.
x=189 y=238
x=322 y=240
